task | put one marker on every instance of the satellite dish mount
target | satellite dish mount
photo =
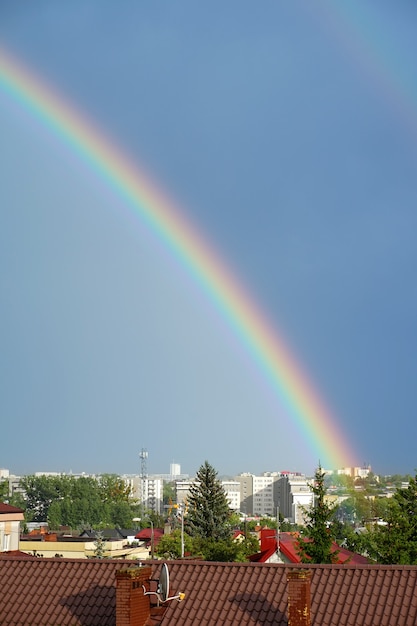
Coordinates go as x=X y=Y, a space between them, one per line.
x=162 y=591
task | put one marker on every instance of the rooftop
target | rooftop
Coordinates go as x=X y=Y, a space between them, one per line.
x=73 y=592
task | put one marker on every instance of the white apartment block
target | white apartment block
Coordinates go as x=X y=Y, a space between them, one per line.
x=258 y=494
x=263 y=495
x=147 y=491
x=182 y=489
x=152 y=491
x=232 y=490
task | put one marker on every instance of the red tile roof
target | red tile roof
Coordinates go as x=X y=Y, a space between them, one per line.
x=250 y=593
x=16 y=553
x=74 y=592
x=8 y=509
x=288 y=548
x=58 y=591
x=146 y=533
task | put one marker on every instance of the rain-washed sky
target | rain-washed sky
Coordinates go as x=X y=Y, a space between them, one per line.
x=287 y=134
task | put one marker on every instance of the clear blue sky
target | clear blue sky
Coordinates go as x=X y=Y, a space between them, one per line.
x=287 y=132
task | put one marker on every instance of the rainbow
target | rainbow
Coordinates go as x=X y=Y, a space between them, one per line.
x=356 y=29
x=298 y=400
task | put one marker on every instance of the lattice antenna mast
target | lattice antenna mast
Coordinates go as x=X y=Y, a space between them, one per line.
x=143 y=455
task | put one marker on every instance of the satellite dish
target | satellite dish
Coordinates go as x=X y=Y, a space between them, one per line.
x=163 y=586
x=162 y=592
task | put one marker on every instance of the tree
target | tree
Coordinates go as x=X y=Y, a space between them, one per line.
x=169 y=494
x=99 y=546
x=71 y=501
x=114 y=489
x=41 y=491
x=4 y=490
x=170 y=546
x=396 y=542
x=316 y=542
x=208 y=507
x=229 y=550
x=120 y=514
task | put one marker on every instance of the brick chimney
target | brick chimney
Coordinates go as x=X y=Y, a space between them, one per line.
x=132 y=606
x=299 y=597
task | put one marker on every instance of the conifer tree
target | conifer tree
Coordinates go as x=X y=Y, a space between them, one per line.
x=208 y=508
x=316 y=542
x=396 y=542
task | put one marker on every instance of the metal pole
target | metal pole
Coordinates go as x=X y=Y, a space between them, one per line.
x=152 y=540
x=182 y=533
x=278 y=531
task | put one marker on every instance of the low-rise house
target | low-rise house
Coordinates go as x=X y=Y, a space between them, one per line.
x=283 y=548
x=10 y=518
x=111 y=534
x=51 y=544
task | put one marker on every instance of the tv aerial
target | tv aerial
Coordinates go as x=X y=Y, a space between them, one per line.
x=162 y=590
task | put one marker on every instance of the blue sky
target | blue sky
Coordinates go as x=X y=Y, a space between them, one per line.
x=287 y=133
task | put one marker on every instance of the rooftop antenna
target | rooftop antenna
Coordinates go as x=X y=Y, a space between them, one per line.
x=162 y=591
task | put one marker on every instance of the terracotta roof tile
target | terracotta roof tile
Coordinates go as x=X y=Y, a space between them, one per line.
x=8 y=508
x=74 y=592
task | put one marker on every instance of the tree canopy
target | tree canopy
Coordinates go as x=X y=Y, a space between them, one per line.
x=316 y=542
x=4 y=490
x=84 y=501
x=208 y=508
x=395 y=542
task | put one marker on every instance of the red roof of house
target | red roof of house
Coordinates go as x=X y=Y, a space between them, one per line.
x=146 y=534
x=238 y=533
x=264 y=555
x=288 y=547
x=7 y=508
x=73 y=592
x=16 y=554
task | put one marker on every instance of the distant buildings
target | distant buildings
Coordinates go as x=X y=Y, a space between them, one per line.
x=254 y=495
x=353 y=472
x=148 y=491
x=273 y=492
x=257 y=494
x=294 y=495
x=232 y=489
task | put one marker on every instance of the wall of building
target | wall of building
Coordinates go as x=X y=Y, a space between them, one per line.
x=294 y=493
x=9 y=535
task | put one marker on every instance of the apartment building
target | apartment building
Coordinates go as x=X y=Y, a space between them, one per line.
x=232 y=490
x=182 y=490
x=147 y=490
x=258 y=494
x=294 y=495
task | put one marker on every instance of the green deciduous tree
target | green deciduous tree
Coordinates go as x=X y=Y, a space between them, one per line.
x=4 y=490
x=208 y=508
x=229 y=550
x=169 y=546
x=41 y=491
x=114 y=489
x=71 y=501
x=316 y=541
